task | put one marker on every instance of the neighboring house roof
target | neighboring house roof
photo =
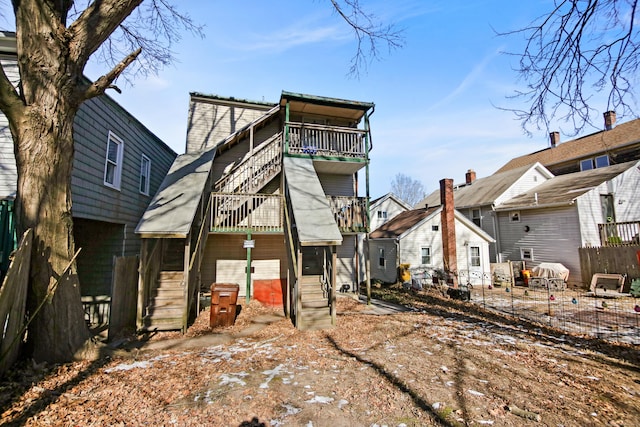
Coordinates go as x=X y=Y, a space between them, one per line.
x=600 y=142
x=174 y=206
x=406 y=221
x=484 y=191
x=563 y=190
x=401 y=223
x=376 y=202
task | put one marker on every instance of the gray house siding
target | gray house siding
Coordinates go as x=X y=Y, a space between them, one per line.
x=115 y=212
x=553 y=236
x=106 y=218
x=337 y=185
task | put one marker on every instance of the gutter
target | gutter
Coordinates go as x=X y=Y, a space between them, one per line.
x=529 y=207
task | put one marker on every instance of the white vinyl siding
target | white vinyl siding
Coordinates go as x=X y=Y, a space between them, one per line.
x=113 y=162
x=425 y=255
x=553 y=236
x=474 y=256
x=145 y=174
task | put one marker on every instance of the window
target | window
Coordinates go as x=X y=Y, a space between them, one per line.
x=145 y=174
x=526 y=254
x=425 y=256
x=602 y=161
x=586 y=165
x=598 y=162
x=381 y=257
x=514 y=216
x=435 y=227
x=382 y=214
x=608 y=208
x=113 y=162
x=476 y=217
x=474 y=256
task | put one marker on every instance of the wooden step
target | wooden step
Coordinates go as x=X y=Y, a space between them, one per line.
x=314 y=319
x=161 y=324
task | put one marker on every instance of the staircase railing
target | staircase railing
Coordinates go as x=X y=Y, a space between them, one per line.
x=331 y=141
x=150 y=264
x=291 y=240
x=254 y=171
x=350 y=213
x=195 y=261
x=234 y=212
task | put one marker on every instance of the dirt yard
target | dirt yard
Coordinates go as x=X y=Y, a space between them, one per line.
x=444 y=363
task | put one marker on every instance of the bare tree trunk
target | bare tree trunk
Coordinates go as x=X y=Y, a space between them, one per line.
x=44 y=155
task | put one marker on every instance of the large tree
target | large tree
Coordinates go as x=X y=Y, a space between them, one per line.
x=410 y=190
x=55 y=40
x=580 y=57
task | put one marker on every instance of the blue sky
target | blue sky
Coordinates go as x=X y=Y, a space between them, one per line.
x=436 y=97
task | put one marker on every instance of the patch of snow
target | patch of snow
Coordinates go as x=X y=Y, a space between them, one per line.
x=271 y=374
x=486 y=422
x=475 y=393
x=342 y=403
x=129 y=366
x=320 y=399
x=232 y=379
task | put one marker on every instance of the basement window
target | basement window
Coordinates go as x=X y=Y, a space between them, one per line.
x=526 y=254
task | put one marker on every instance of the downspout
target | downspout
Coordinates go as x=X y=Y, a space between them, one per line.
x=367 y=161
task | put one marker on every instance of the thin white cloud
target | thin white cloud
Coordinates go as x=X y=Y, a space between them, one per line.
x=468 y=80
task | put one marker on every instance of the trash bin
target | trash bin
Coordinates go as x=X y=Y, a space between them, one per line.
x=223 y=304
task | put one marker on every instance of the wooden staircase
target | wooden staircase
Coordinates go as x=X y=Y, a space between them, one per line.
x=165 y=309
x=315 y=313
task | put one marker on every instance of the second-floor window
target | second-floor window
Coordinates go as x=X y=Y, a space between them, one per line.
x=594 y=163
x=382 y=214
x=113 y=162
x=476 y=217
x=145 y=174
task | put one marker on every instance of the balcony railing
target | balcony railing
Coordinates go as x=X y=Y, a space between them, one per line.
x=329 y=141
x=350 y=213
x=619 y=233
x=233 y=212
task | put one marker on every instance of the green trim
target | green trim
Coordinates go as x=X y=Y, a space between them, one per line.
x=244 y=231
x=286 y=129
x=328 y=158
x=332 y=102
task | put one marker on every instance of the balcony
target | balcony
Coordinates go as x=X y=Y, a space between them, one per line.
x=238 y=213
x=619 y=233
x=327 y=141
x=350 y=213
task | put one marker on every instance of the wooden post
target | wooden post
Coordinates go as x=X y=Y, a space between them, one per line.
x=334 y=264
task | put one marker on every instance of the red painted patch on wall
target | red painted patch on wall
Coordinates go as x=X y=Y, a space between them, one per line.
x=269 y=292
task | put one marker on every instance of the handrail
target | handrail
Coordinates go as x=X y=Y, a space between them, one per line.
x=271 y=150
x=332 y=141
x=292 y=246
x=150 y=258
x=235 y=211
x=204 y=226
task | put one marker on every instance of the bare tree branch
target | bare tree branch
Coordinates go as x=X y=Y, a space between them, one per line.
x=410 y=190
x=578 y=50
x=369 y=34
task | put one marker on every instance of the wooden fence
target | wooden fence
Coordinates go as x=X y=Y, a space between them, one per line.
x=614 y=260
x=13 y=300
x=124 y=296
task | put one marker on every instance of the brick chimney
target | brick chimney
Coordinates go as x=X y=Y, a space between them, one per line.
x=448 y=228
x=554 y=138
x=470 y=176
x=609 y=120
